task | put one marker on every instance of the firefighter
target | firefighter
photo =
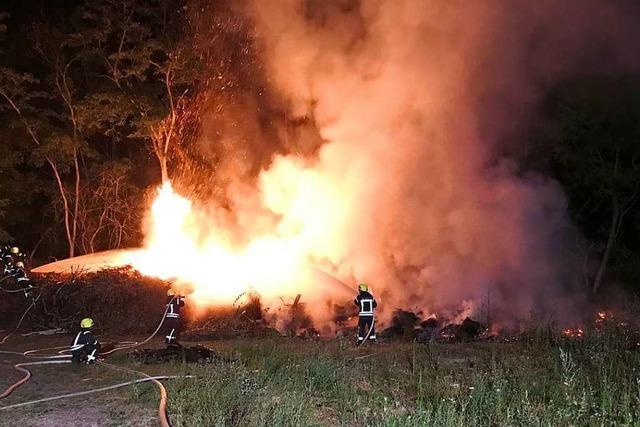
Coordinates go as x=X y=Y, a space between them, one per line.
x=366 y=306
x=172 y=322
x=22 y=280
x=85 y=347
x=10 y=255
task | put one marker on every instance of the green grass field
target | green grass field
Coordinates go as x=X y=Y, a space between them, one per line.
x=545 y=381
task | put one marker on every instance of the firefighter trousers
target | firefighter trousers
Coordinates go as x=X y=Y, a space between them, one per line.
x=171 y=328
x=364 y=324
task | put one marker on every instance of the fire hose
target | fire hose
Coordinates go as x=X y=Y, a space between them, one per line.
x=27 y=376
x=65 y=349
x=162 y=410
x=138 y=344
x=97 y=390
x=162 y=407
x=373 y=322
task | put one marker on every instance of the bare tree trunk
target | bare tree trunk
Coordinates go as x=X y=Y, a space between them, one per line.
x=162 y=133
x=54 y=168
x=65 y=94
x=74 y=232
x=65 y=205
x=611 y=241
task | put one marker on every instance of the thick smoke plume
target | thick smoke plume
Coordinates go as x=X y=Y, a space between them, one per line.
x=414 y=100
x=368 y=139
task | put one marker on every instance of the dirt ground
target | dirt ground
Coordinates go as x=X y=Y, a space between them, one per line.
x=111 y=408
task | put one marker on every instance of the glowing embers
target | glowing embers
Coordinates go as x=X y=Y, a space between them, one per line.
x=573 y=332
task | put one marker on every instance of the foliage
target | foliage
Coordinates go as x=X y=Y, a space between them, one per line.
x=100 y=89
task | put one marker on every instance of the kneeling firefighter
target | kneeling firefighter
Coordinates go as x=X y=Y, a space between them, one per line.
x=85 y=347
x=366 y=322
x=172 y=322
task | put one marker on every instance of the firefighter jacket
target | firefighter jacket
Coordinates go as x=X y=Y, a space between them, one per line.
x=85 y=340
x=366 y=303
x=21 y=276
x=173 y=306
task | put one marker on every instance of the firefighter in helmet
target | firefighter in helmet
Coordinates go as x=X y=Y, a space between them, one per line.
x=10 y=256
x=366 y=307
x=172 y=322
x=85 y=347
x=22 y=280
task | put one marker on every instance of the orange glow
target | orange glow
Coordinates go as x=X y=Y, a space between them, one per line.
x=183 y=244
x=573 y=332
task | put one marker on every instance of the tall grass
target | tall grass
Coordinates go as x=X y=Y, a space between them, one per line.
x=548 y=381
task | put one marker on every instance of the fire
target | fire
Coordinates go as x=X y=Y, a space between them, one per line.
x=573 y=332
x=184 y=244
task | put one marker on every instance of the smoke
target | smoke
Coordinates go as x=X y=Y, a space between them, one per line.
x=366 y=141
x=415 y=101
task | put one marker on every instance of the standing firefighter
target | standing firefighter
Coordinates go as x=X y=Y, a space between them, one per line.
x=366 y=322
x=22 y=280
x=85 y=347
x=172 y=322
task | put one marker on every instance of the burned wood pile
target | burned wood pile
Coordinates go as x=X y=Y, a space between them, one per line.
x=408 y=326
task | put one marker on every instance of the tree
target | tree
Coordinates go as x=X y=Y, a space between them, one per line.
x=49 y=144
x=108 y=216
x=597 y=157
x=143 y=63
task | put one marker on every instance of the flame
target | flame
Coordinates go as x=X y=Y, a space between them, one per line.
x=184 y=244
x=573 y=332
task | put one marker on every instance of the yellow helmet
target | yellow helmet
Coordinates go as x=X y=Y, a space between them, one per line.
x=15 y=250
x=87 y=322
x=20 y=264
x=363 y=287
x=170 y=292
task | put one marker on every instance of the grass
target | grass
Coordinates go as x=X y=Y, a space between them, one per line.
x=548 y=381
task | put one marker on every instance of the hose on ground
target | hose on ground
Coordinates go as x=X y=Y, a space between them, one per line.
x=27 y=376
x=95 y=390
x=162 y=406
